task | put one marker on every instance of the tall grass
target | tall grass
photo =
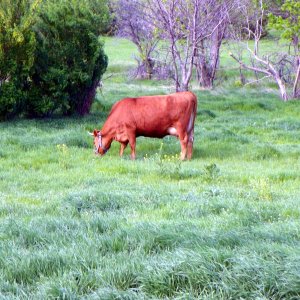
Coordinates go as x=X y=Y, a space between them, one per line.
x=224 y=225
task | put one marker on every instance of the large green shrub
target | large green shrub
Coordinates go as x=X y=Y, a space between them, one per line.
x=69 y=60
x=51 y=58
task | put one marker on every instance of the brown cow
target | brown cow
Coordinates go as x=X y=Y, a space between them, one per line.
x=149 y=116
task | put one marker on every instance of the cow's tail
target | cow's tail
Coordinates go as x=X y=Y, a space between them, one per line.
x=193 y=115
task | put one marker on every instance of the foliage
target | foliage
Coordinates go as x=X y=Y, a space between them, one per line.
x=69 y=57
x=17 y=46
x=289 y=22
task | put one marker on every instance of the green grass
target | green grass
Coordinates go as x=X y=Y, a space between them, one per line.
x=225 y=225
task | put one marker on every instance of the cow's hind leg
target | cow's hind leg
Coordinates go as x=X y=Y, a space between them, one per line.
x=183 y=143
x=183 y=138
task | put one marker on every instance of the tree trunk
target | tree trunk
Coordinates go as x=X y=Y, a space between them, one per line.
x=282 y=88
x=204 y=76
x=216 y=41
x=184 y=87
x=149 y=65
x=206 y=69
x=87 y=98
x=242 y=76
x=296 y=87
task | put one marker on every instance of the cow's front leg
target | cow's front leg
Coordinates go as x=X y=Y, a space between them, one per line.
x=122 y=148
x=132 y=142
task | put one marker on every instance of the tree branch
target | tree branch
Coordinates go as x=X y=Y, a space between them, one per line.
x=242 y=64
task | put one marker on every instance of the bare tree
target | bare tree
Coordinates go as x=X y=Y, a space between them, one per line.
x=132 y=25
x=176 y=22
x=268 y=65
x=208 y=48
x=185 y=25
x=285 y=17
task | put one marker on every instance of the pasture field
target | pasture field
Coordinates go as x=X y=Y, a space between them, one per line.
x=225 y=225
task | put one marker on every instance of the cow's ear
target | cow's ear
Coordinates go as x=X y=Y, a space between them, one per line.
x=95 y=133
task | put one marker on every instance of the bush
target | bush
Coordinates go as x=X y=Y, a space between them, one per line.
x=69 y=57
x=51 y=59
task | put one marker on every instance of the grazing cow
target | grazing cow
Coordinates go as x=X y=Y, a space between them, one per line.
x=149 y=116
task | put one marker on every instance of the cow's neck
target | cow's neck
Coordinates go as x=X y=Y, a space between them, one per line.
x=109 y=130
x=106 y=140
x=107 y=136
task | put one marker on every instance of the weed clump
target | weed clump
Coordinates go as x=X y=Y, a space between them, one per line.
x=211 y=172
x=170 y=166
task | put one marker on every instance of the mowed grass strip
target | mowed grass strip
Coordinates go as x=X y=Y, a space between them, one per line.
x=224 y=225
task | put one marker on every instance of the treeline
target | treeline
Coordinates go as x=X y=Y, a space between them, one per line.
x=51 y=57
x=193 y=32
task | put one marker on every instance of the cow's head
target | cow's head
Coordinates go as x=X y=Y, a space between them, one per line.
x=100 y=144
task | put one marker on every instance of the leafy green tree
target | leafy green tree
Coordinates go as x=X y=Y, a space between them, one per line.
x=17 y=46
x=69 y=58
